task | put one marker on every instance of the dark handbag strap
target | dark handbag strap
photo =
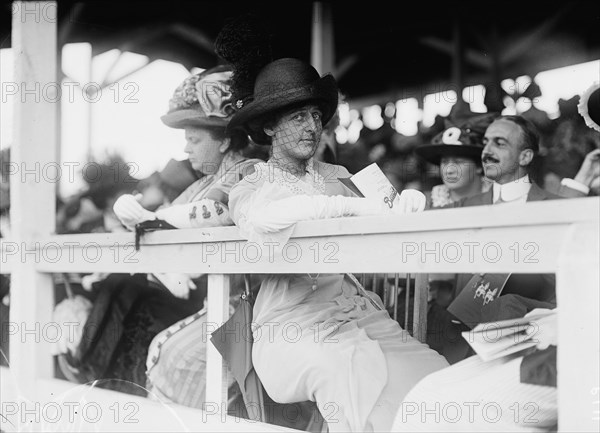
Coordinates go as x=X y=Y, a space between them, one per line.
x=247 y=293
x=149 y=226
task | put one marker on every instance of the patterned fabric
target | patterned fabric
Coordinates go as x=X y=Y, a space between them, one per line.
x=308 y=184
x=233 y=168
x=270 y=184
x=159 y=341
x=211 y=92
x=127 y=313
x=440 y=194
x=176 y=362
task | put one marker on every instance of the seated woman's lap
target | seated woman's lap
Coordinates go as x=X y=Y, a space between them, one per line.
x=354 y=370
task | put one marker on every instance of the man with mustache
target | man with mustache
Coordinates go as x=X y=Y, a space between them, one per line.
x=510 y=145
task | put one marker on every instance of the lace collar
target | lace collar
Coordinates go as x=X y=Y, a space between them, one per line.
x=310 y=184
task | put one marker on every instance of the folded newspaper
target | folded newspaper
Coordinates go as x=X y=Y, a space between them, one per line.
x=497 y=339
x=372 y=182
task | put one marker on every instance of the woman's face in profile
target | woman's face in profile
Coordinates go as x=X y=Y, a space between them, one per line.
x=203 y=149
x=297 y=132
x=458 y=172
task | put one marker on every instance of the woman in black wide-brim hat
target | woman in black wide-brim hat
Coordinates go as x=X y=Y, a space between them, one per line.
x=372 y=363
x=457 y=152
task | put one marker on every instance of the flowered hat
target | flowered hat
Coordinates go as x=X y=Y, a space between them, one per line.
x=202 y=99
x=280 y=84
x=465 y=140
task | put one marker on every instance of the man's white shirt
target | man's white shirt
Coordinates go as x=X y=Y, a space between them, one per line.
x=512 y=192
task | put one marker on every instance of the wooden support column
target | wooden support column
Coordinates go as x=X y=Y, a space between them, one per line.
x=33 y=189
x=216 y=370
x=458 y=59
x=322 y=52
x=493 y=97
x=458 y=69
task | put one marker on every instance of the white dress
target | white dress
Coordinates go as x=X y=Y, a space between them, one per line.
x=475 y=396
x=332 y=345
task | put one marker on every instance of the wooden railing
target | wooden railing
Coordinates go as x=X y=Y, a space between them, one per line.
x=559 y=237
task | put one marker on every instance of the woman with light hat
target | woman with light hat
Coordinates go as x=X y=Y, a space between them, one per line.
x=170 y=359
x=359 y=380
x=202 y=107
x=457 y=152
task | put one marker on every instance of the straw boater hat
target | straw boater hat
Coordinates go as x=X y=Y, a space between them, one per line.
x=282 y=84
x=589 y=106
x=203 y=100
x=462 y=141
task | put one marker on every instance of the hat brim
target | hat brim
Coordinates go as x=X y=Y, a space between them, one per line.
x=434 y=153
x=323 y=92
x=181 y=119
x=589 y=106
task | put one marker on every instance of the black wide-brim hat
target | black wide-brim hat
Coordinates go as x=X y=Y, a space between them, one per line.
x=464 y=141
x=282 y=84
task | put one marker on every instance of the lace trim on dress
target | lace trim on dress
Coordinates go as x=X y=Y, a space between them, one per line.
x=311 y=184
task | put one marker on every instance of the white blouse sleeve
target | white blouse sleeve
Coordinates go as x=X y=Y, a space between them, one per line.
x=269 y=212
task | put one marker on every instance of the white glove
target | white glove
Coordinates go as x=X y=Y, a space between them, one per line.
x=130 y=212
x=281 y=214
x=178 y=284
x=410 y=200
x=544 y=329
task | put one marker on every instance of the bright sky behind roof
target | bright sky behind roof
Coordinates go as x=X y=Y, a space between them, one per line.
x=126 y=115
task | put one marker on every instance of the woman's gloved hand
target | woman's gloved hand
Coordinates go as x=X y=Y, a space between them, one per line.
x=544 y=329
x=409 y=201
x=130 y=212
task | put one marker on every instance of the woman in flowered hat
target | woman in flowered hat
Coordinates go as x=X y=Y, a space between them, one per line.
x=457 y=152
x=363 y=376
x=202 y=106
x=171 y=362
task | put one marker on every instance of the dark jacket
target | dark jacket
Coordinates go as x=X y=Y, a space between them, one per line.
x=535 y=287
x=535 y=194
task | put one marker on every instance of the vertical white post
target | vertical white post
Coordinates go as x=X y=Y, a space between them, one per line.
x=76 y=109
x=33 y=190
x=322 y=54
x=218 y=313
x=578 y=357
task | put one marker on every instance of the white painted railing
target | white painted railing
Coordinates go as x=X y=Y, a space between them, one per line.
x=559 y=237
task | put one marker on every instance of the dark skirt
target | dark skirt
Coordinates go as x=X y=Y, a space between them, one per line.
x=127 y=314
